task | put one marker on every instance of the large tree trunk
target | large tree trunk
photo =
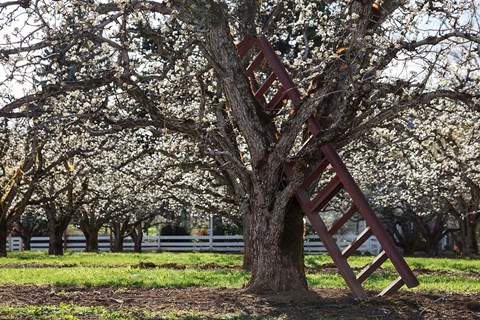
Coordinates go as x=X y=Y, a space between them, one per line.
x=3 y=237
x=277 y=232
x=278 y=264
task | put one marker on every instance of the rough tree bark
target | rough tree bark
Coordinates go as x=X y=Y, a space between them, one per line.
x=248 y=251
x=468 y=236
x=278 y=264
x=90 y=225
x=276 y=229
x=91 y=239
x=137 y=237
x=57 y=224
x=3 y=236
x=118 y=236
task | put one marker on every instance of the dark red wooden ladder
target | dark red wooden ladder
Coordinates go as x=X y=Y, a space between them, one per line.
x=341 y=181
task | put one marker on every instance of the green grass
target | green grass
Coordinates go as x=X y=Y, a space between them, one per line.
x=115 y=269
x=120 y=259
x=444 y=264
x=71 y=312
x=124 y=276
x=192 y=259
x=432 y=264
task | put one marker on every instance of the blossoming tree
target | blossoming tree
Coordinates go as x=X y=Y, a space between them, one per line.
x=173 y=65
x=426 y=163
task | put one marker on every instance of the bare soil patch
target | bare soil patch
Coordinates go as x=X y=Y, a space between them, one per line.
x=320 y=304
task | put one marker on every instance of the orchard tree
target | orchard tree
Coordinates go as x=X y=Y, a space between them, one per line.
x=31 y=223
x=172 y=65
x=20 y=163
x=59 y=195
x=426 y=163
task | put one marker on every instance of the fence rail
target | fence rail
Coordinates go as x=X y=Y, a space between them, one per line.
x=312 y=245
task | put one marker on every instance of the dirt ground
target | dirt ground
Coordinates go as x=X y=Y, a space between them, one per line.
x=320 y=304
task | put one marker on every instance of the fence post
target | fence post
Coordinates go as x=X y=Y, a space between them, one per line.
x=210 y=233
x=10 y=243
x=159 y=240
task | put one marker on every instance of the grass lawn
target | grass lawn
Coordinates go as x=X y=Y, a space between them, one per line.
x=114 y=273
x=179 y=270
x=118 y=259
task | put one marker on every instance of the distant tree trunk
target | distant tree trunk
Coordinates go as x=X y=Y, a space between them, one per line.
x=27 y=230
x=57 y=224
x=433 y=228
x=432 y=248
x=118 y=236
x=55 y=244
x=27 y=242
x=137 y=237
x=26 y=235
x=91 y=239
x=90 y=226
x=468 y=237
x=3 y=236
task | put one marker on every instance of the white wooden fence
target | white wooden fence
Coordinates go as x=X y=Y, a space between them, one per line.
x=312 y=244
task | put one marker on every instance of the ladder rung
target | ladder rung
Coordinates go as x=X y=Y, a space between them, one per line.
x=315 y=173
x=362 y=237
x=342 y=220
x=392 y=287
x=264 y=87
x=326 y=194
x=374 y=265
x=278 y=107
x=255 y=63
x=279 y=96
